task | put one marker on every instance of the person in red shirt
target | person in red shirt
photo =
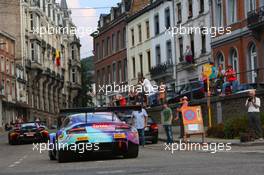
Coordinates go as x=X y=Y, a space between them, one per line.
x=231 y=79
x=122 y=100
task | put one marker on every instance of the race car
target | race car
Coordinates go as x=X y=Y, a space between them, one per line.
x=28 y=132
x=91 y=131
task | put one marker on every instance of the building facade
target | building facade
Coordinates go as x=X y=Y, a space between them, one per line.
x=192 y=15
x=110 y=50
x=8 y=78
x=243 y=47
x=151 y=50
x=47 y=56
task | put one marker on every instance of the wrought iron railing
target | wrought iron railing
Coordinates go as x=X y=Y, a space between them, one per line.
x=255 y=17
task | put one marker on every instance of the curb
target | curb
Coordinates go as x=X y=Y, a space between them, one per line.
x=233 y=144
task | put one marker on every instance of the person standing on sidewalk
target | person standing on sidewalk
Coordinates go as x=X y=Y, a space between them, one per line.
x=166 y=121
x=140 y=119
x=184 y=103
x=253 y=105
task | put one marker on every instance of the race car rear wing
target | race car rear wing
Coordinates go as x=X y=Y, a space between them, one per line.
x=64 y=112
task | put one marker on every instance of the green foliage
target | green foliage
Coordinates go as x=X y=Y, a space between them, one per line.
x=87 y=69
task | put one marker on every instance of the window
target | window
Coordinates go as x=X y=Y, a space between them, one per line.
x=44 y=5
x=169 y=51
x=103 y=48
x=201 y=6
x=234 y=60
x=139 y=33
x=156 y=23
x=250 y=5
x=103 y=76
x=124 y=37
x=190 y=8
x=125 y=70
x=113 y=43
x=119 y=72
x=149 y=60
x=32 y=52
x=231 y=11
x=114 y=72
x=31 y=22
x=220 y=60
x=118 y=42
x=109 y=74
x=141 y=63
x=181 y=49
x=203 y=40
x=7 y=67
x=147 y=29
x=192 y=44
x=134 y=67
x=2 y=43
x=73 y=76
x=179 y=12
x=98 y=77
x=3 y=87
x=2 y=64
x=158 y=56
x=108 y=47
x=252 y=63
x=97 y=51
x=219 y=17
x=49 y=10
x=73 y=52
x=167 y=18
x=132 y=37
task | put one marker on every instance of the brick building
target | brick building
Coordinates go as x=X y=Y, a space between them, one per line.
x=7 y=78
x=110 y=49
x=243 y=47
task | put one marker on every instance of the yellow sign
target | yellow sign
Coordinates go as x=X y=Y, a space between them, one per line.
x=207 y=70
x=120 y=136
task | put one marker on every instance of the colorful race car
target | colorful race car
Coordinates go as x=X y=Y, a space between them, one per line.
x=28 y=132
x=91 y=131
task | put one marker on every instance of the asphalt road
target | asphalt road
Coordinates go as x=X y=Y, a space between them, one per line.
x=153 y=159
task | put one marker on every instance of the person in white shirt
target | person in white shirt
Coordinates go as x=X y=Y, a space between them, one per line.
x=140 y=119
x=148 y=91
x=253 y=105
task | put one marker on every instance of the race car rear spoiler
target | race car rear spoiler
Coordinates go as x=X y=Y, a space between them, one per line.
x=64 y=112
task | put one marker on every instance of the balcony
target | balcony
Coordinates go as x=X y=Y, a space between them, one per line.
x=162 y=70
x=255 y=19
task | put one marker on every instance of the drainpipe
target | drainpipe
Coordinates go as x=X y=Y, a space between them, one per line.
x=174 y=38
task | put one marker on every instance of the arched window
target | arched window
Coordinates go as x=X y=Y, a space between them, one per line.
x=233 y=59
x=220 y=60
x=252 y=66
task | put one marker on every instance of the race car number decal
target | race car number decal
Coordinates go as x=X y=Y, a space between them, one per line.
x=119 y=135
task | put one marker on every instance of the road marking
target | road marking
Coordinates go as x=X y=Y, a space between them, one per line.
x=111 y=172
x=17 y=162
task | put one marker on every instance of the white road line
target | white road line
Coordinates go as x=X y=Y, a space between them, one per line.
x=111 y=172
x=17 y=162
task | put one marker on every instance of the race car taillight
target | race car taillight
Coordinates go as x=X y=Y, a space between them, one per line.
x=76 y=131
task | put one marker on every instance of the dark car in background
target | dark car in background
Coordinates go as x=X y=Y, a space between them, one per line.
x=28 y=132
x=193 y=90
x=151 y=131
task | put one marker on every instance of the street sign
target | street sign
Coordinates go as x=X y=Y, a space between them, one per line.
x=193 y=121
x=207 y=70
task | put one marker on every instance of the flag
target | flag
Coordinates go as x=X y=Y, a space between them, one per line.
x=58 y=58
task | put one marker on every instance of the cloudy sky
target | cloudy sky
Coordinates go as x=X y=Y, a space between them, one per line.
x=85 y=14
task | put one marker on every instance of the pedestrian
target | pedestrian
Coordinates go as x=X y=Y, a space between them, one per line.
x=231 y=79
x=183 y=103
x=140 y=118
x=253 y=105
x=122 y=100
x=189 y=55
x=132 y=97
x=148 y=91
x=162 y=93
x=166 y=121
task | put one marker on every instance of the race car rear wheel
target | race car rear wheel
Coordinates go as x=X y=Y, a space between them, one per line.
x=51 y=155
x=132 y=151
x=64 y=156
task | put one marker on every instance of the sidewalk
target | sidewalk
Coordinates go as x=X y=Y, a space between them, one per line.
x=198 y=139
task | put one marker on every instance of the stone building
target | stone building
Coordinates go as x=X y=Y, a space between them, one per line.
x=47 y=56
